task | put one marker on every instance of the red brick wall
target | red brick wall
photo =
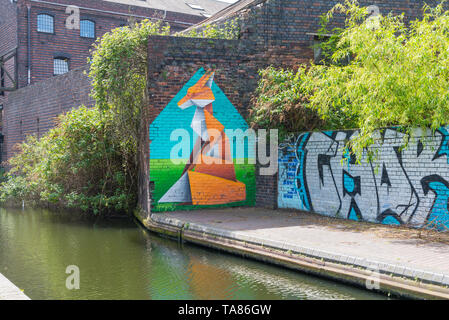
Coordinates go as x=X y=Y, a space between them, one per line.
x=29 y=105
x=63 y=42
x=8 y=26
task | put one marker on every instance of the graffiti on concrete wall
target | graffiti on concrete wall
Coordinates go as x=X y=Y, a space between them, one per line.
x=401 y=186
x=208 y=174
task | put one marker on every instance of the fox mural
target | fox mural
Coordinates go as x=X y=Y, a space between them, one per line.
x=208 y=175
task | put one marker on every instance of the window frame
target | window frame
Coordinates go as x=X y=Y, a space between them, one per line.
x=52 y=19
x=94 y=25
x=61 y=57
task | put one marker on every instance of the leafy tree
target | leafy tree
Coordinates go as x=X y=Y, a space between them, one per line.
x=118 y=69
x=398 y=74
x=280 y=102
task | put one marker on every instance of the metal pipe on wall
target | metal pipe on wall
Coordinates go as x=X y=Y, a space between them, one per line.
x=29 y=43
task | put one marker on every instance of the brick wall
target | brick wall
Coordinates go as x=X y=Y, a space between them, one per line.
x=284 y=28
x=177 y=64
x=399 y=187
x=32 y=110
x=8 y=25
x=266 y=190
x=63 y=42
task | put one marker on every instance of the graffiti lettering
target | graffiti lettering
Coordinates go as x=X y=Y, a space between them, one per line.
x=402 y=186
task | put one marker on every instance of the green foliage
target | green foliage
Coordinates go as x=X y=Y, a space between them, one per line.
x=281 y=103
x=119 y=64
x=118 y=69
x=76 y=164
x=398 y=74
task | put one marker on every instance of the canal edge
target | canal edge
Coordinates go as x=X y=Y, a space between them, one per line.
x=395 y=280
x=9 y=291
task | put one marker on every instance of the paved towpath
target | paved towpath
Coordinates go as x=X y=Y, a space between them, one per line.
x=8 y=291
x=399 y=250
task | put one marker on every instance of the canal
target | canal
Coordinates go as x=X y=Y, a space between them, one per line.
x=118 y=259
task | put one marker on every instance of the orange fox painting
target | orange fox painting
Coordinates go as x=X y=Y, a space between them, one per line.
x=209 y=175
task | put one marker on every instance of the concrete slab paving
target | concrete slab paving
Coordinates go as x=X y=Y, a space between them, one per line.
x=8 y=291
x=399 y=249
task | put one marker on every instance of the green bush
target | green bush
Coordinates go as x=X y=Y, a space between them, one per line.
x=76 y=164
x=229 y=30
x=398 y=74
x=281 y=103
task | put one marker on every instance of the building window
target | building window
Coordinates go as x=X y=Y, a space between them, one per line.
x=45 y=23
x=87 y=29
x=60 y=65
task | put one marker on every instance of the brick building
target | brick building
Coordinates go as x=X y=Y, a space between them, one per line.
x=50 y=40
x=40 y=39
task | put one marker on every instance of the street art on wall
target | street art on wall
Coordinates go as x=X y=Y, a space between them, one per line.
x=209 y=175
x=401 y=186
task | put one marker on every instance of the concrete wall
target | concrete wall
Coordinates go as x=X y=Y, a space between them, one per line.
x=408 y=186
x=32 y=110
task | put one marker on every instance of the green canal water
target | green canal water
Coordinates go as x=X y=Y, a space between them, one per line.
x=118 y=259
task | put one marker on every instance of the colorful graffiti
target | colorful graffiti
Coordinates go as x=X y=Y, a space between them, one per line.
x=401 y=186
x=210 y=175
